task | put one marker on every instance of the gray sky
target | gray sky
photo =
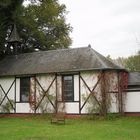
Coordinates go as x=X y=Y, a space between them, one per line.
x=110 y=26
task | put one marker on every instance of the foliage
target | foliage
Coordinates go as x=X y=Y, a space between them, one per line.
x=8 y=8
x=133 y=63
x=99 y=101
x=44 y=106
x=112 y=116
x=92 y=105
x=120 y=61
x=44 y=26
x=108 y=117
x=41 y=25
x=7 y=107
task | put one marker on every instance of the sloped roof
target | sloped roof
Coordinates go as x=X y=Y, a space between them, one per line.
x=62 y=60
x=134 y=78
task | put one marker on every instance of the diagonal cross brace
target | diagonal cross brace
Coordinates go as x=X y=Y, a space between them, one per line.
x=44 y=93
x=6 y=95
x=91 y=91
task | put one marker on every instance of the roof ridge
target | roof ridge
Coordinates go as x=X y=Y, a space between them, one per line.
x=95 y=52
x=63 y=49
x=102 y=62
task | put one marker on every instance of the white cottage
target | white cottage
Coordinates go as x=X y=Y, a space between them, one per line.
x=75 y=81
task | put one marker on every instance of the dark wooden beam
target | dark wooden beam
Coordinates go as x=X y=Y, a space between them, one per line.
x=15 y=94
x=79 y=93
x=91 y=91
x=45 y=93
x=6 y=95
x=104 y=84
x=120 y=93
x=56 y=88
x=35 y=95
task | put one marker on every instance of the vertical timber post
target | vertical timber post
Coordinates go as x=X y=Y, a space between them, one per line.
x=15 y=94
x=79 y=94
x=103 y=94
x=119 y=107
x=120 y=98
x=56 y=101
x=35 y=94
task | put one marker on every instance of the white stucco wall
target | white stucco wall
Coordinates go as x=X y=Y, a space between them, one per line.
x=132 y=99
x=17 y=90
x=76 y=87
x=72 y=108
x=59 y=88
x=23 y=108
x=113 y=103
x=132 y=103
x=45 y=80
x=91 y=79
x=20 y=106
x=6 y=84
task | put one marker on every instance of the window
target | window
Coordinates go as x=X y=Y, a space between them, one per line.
x=68 y=88
x=24 y=89
x=133 y=88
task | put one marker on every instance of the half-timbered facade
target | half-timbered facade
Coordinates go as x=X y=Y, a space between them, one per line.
x=75 y=81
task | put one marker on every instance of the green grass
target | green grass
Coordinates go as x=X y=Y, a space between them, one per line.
x=40 y=128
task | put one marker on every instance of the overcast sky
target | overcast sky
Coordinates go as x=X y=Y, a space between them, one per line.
x=110 y=26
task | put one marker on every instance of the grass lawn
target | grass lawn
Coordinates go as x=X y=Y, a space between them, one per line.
x=40 y=128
